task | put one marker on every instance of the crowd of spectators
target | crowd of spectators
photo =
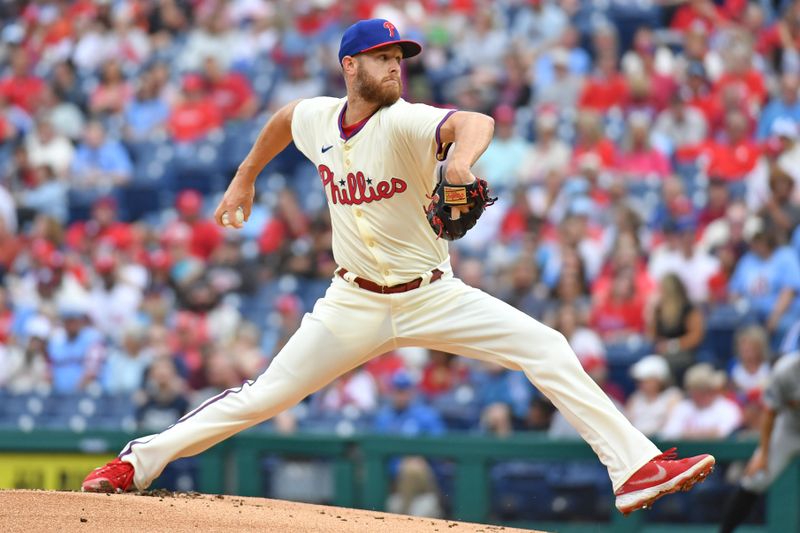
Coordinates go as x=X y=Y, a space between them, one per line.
x=647 y=158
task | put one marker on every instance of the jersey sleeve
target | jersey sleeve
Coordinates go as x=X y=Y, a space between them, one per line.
x=303 y=126
x=417 y=127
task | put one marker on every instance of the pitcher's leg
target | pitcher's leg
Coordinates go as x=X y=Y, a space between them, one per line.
x=466 y=321
x=315 y=355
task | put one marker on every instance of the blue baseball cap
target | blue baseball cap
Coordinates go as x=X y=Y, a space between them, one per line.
x=401 y=380
x=366 y=35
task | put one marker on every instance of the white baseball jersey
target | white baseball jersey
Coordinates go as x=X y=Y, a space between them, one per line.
x=377 y=183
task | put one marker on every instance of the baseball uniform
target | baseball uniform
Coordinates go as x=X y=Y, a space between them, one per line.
x=782 y=394
x=376 y=181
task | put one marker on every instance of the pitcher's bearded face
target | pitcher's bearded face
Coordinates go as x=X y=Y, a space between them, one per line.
x=378 y=76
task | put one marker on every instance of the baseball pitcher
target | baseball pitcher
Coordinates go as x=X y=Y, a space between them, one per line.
x=392 y=214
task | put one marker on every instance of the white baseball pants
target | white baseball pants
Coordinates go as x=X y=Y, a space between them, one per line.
x=350 y=325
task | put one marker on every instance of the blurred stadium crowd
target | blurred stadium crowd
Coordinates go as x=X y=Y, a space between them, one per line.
x=647 y=157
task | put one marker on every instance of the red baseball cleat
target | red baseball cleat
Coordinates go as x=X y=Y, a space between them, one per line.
x=116 y=476
x=664 y=474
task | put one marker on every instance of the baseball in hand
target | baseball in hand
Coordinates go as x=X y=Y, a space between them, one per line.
x=239 y=217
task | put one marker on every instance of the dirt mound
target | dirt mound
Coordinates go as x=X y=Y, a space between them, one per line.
x=25 y=511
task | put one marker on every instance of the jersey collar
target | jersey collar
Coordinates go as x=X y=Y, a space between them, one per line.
x=355 y=128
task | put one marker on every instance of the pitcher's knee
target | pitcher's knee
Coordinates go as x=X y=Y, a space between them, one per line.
x=549 y=351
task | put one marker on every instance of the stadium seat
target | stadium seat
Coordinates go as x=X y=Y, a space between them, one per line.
x=520 y=491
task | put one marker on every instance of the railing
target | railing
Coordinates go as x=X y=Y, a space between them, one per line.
x=361 y=478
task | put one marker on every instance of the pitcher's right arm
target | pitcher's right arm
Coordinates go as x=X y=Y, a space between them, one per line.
x=274 y=137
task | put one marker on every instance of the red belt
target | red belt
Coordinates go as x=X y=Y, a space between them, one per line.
x=382 y=289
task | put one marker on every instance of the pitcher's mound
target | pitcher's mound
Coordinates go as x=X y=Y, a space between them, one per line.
x=25 y=511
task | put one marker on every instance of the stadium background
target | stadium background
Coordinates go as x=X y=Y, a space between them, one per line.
x=633 y=141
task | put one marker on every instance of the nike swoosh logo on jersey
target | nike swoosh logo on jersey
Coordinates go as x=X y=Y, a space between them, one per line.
x=659 y=476
x=326 y=148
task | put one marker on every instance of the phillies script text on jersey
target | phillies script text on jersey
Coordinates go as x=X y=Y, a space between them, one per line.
x=359 y=190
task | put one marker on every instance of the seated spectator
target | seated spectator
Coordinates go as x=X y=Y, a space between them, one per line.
x=522 y=288
x=786 y=139
x=548 y=154
x=539 y=416
x=126 y=366
x=698 y=13
x=288 y=223
x=732 y=158
x=625 y=255
x=495 y=384
x=384 y=368
x=767 y=278
x=20 y=86
x=679 y=125
x=619 y=314
x=147 y=112
x=638 y=160
x=674 y=205
x=100 y=163
x=540 y=25
x=443 y=373
x=718 y=284
x=750 y=371
x=25 y=364
x=248 y=358
x=572 y=289
x=566 y=86
x=706 y=413
x=785 y=104
x=206 y=235
x=676 y=326
x=728 y=231
x=578 y=248
x=651 y=404
x=355 y=389
x=586 y=344
x=652 y=62
x=780 y=213
x=286 y=319
x=45 y=146
x=162 y=400
x=415 y=490
x=741 y=74
x=228 y=270
x=596 y=366
x=592 y=140
x=606 y=88
x=113 y=299
x=230 y=91
x=10 y=246
x=680 y=256
x=504 y=152
x=67 y=86
x=405 y=414
x=719 y=198
x=219 y=375
x=112 y=94
x=298 y=83
x=102 y=229
x=76 y=350
x=496 y=420
x=45 y=194
x=195 y=115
